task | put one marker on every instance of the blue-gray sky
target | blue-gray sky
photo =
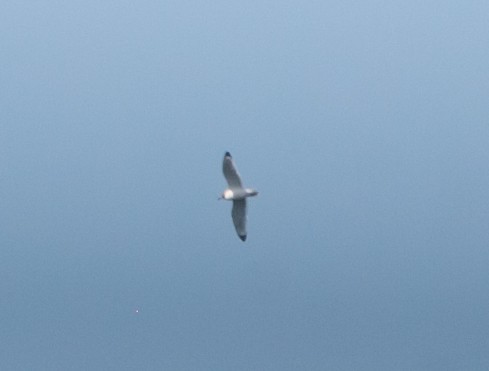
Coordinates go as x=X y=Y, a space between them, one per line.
x=363 y=124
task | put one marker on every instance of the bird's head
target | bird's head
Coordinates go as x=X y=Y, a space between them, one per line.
x=226 y=195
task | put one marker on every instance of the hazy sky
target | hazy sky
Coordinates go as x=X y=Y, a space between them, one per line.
x=363 y=124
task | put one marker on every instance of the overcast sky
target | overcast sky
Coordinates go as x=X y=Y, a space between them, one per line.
x=363 y=124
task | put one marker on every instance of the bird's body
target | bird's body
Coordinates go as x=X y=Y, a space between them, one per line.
x=236 y=193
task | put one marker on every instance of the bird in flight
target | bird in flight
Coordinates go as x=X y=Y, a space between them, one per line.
x=236 y=193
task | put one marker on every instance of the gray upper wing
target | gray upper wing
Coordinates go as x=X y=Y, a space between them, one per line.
x=239 y=217
x=230 y=172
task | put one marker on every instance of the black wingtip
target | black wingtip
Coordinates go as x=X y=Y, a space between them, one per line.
x=243 y=238
x=227 y=154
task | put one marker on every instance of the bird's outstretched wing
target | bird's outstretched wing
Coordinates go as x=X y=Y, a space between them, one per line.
x=230 y=172
x=239 y=217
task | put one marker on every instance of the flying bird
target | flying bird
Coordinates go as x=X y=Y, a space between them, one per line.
x=236 y=193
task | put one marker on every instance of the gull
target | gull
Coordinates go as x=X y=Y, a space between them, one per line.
x=236 y=193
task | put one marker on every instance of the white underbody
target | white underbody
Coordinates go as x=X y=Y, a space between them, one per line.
x=238 y=193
